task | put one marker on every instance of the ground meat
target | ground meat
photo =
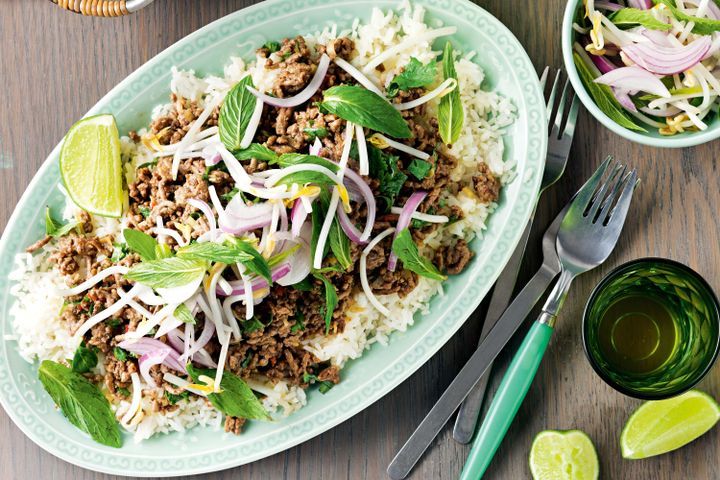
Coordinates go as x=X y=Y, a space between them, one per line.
x=75 y=251
x=295 y=69
x=39 y=244
x=400 y=281
x=487 y=187
x=453 y=259
x=117 y=373
x=234 y=424
x=340 y=47
x=331 y=374
x=100 y=336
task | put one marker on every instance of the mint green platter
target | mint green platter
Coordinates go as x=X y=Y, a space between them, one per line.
x=508 y=70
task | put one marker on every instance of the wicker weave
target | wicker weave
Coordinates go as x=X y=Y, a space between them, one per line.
x=102 y=8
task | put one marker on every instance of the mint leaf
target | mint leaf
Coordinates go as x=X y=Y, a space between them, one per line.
x=256 y=263
x=235 y=113
x=603 y=97
x=702 y=26
x=141 y=243
x=338 y=241
x=55 y=228
x=414 y=75
x=363 y=107
x=384 y=168
x=167 y=272
x=81 y=402
x=84 y=360
x=183 y=313
x=324 y=386
x=175 y=398
x=404 y=247
x=289 y=159
x=314 y=133
x=419 y=168
x=258 y=151
x=331 y=300
x=635 y=16
x=236 y=399
x=228 y=252
x=450 y=111
x=120 y=354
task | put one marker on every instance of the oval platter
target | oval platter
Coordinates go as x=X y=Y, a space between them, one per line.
x=508 y=70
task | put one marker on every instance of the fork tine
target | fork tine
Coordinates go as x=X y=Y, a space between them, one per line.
x=611 y=184
x=613 y=195
x=543 y=77
x=551 y=98
x=585 y=195
x=561 y=105
x=572 y=117
x=617 y=215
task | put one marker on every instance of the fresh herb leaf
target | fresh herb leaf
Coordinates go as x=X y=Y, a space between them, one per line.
x=246 y=361
x=256 y=263
x=183 y=313
x=277 y=259
x=272 y=46
x=230 y=195
x=252 y=325
x=701 y=26
x=122 y=391
x=113 y=322
x=419 y=168
x=603 y=97
x=450 y=111
x=235 y=113
x=81 y=402
x=55 y=228
x=120 y=354
x=324 y=385
x=236 y=399
x=163 y=251
x=167 y=272
x=144 y=211
x=414 y=75
x=384 y=168
x=304 y=285
x=228 y=252
x=314 y=133
x=634 y=16
x=175 y=398
x=141 y=243
x=338 y=241
x=331 y=300
x=406 y=250
x=84 y=360
x=258 y=151
x=299 y=321
x=417 y=224
x=363 y=107
x=120 y=251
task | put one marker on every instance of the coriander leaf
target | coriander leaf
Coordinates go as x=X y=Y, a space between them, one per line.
x=363 y=107
x=384 y=168
x=404 y=247
x=235 y=113
x=228 y=252
x=84 y=360
x=272 y=46
x=331 y=300
x=414 y=75
x=635 y=16
x=258 y=151
x=450 y=111
x=167 y=272
x=419 y=168
x=120 y=354
x=175 y=398
x=236 y=399
x=256 y=263
x=603 y=97
x=141 y=243
x=313 y=133
x=81 y=402
x=183 y=313
x=55 y=228
x=701 y=26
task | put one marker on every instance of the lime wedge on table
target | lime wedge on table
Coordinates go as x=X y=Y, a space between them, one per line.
x=663 y=425
x=90 y=165
x=568 y=455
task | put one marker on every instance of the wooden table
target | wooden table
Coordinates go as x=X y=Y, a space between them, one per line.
x=55 y=65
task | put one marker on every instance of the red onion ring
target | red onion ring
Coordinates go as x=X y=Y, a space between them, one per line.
x=177 y=342
x=347 y=225
x=304 y=95
x=238 y=287
x=147 y=345
x=149 y=360
x=602 y=5
x=668 y=60
x=640 y=4
x=634 y=78
x=602 y=63
x=298 y=215
x=404 y=220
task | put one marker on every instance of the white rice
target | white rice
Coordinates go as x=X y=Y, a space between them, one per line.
x=35 y=313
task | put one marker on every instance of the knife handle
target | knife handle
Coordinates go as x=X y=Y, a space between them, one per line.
x=507 y=400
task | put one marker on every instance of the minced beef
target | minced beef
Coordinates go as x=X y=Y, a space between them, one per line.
x=487 y=187
x=453 y=259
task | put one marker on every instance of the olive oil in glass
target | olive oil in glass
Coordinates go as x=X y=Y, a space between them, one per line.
x=651 y=328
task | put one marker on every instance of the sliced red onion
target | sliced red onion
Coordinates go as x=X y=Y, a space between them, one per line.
x=252 y=125
x=144 y=345
x=202 y=340
x=603 y=5
x=212 y=159
x=304 y=94
x=404 y=220
x=197 y=351
x=668 y=60
x=369 y=198
x=315 y=147
x=238 y=286
x=713 y=10
x=347 y=225
x=300 y=261
x=298 y=215
x=640 y=4
x=624 y=99
x=602 y=63
x=240 y=218
x=658 y=37
x=358 y=76
x=634 y=78
x=149 y=360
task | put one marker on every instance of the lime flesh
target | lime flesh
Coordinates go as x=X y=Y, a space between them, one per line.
x=568 y=455
x=664 y=425
x=90 y=166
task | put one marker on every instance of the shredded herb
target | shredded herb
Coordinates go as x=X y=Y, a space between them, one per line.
x=85 y=359
x=384 y=168
x=299 y=321
x=331 y=300
x=183 y=313
x=141 y=243
x=272 y=46
x=631 y=17
x=246 y=361
x=414 y=75
x=175 y=398
x=122 y=391
x=304 y=285
x=120 y=251
x=144 y=211
x=314 y=133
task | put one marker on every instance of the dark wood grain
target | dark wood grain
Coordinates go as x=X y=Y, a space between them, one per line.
x=55 y=66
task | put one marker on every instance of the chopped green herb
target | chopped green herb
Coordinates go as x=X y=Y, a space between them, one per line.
x=147 y=164
x=81 y=401
x=163 y=251
x=113 y=322
x=175 y=398
x=183 y=313
x=252 y=325
x=122 y=391
x=229 y=195
x=314 y=133
x=419 y=168
x=236 y=399
x=120 y=354
x=414 y=75
x=406 y=250
x=55 y=228
x=384 y=168
x=324 y=386
x=701 y=26
x=144 y=211
x=84 y=359
x=415 y=223
x=120 y=251
x=299 y=321
x=246 y=361
x=272 y=46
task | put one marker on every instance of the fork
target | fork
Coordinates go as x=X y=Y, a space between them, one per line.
x=587 y=236
x=559 y=142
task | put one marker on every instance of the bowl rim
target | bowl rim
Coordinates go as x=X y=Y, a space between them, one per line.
x=603 y=283
x=697 y=138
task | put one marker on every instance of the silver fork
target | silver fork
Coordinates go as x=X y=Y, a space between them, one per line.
x=588 y=234
x=559 y=142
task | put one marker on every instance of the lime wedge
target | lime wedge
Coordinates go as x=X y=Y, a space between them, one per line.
x=664 y=425
x=90 y=166
x=568 y=455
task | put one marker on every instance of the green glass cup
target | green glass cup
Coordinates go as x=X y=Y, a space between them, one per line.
x=651 y=328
